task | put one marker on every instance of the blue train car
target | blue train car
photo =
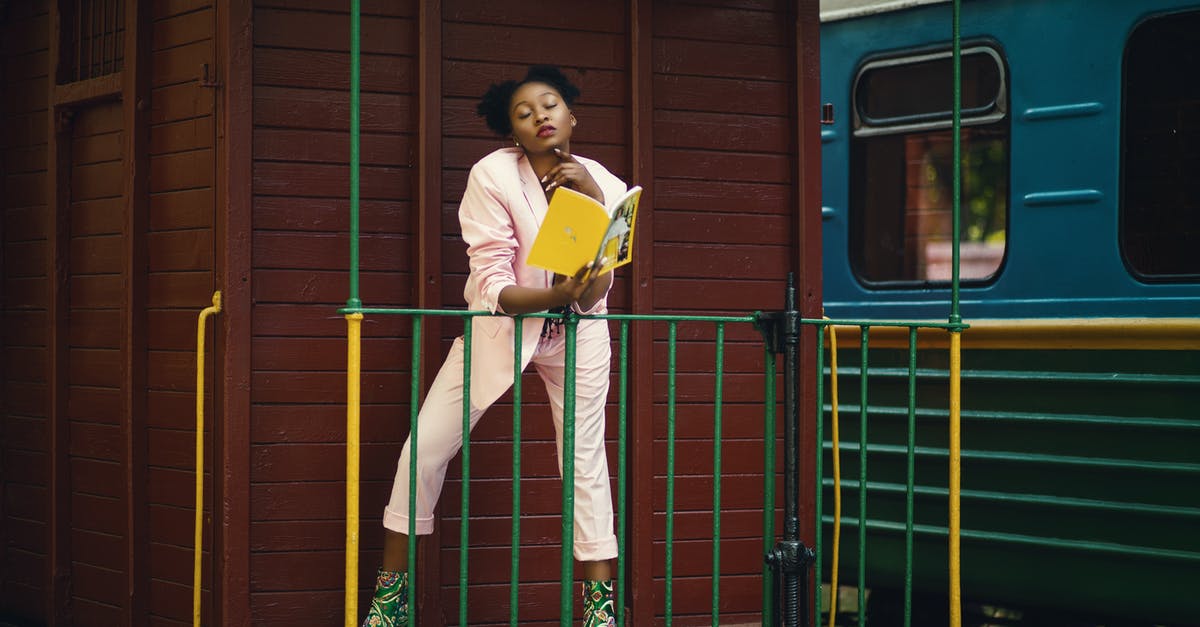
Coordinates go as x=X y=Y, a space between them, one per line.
x=1080 y=280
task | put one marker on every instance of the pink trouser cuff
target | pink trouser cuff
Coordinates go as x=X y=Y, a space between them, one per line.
x=596 y=550
x=395 y=521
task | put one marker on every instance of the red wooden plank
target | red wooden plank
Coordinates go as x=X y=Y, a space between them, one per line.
x=317 y=321
x=296 y=179
x=574 y=15
x=29 y=64
x=722 y=131
x=172 y=370
x=531 y=45
x=167 y=329
x=317 y=109
x=25 y=259
x=308 y=286
x=24 y=466
x=186 y=28
x=690 y=295
x=94 y=367
x=324 y=422
x=96 y=290
x=98 y=404
x=25 y=190
x=97 y=255
x=95 y=441
x=25 y=401
x=182 y=135
x=173 y=448
x=95 y=585
x=723 y=24
x=180 y=289
x=308 y=30
x=174 y=564
x=313 y=387
x=25 y=501
x=99 y=180
x=330 y=214
x=173 y=410
x=174 y=525
x=331 y=147
x=185 y=170
x=319 y=462
x=26 y=293
x=182 y=64
x=718 y=262
x=26 y=130
x=23 y=224
x=21 y=159
x=24 y=96
x=180 y=250
x=97 y=217
x=100 y=477
x=381 y=74
x=723 y=166
x=97 y=119
x=369 y=7
x=328 y=353
x=96 y=148
x=720 y=59
x=177 y=487
x=164 y=9
x=95 y=513
x=328 y=251
x=179 y=102
x=322 y=607
x=182 y=209
x=723 y=228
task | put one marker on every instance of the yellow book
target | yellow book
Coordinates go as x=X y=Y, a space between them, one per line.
x=578 y=230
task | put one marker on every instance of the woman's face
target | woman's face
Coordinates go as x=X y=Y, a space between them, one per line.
x=541 y=120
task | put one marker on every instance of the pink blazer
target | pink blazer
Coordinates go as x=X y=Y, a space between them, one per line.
x=501 y=211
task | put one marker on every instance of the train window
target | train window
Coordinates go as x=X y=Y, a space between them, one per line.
x=1160 y=193
x=901 y=176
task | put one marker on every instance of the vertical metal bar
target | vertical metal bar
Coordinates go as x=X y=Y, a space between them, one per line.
x=768 y=586
x=820 y=453
x=514 y=577
x=670 y=570
x=353 y=404
x=862 y=478
x=956 y=141
x=198 y=539
x=789 y=554
x=909 y=486
x=414 y=407
x=716 y=507
x=463 y=535
x=566 y=607
x=622 y=478
x=955 y=479
x=355 y=77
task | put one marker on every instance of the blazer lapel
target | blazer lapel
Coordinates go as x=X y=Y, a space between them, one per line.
x=535 y=197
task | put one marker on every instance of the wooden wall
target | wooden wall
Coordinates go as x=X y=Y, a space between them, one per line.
x=109 y=249
x=716 y=149
x=23 y=430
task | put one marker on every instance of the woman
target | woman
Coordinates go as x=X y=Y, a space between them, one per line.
x=504 y=203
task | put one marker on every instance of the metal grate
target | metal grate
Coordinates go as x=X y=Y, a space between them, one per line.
x=93 y=39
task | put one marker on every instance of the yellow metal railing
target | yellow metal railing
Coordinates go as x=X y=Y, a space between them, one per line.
x=199 y=531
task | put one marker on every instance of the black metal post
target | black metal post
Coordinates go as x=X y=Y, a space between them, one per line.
x=790 y=559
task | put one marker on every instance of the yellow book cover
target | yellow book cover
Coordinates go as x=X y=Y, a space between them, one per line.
x=578 y=230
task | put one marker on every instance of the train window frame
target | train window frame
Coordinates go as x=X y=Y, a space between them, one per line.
x=994 y=115
x=1136 y=267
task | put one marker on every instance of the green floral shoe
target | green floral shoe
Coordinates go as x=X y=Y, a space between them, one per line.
x=389 y=607
x=598 y=608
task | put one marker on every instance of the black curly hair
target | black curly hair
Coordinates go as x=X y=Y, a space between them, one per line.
x=494 y=103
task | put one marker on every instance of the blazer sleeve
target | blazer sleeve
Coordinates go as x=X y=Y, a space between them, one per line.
x=487 y=228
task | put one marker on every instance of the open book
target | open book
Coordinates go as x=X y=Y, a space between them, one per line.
x=578 y=230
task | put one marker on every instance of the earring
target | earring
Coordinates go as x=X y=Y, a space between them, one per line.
x=516 y=143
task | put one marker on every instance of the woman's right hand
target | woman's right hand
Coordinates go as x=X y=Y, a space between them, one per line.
x=570 y=289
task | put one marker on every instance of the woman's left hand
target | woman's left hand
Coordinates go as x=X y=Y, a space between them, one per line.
x=573 y=174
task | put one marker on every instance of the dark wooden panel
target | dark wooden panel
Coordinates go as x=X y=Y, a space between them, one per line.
x=331 y=70
x=530 y=45
x=314 y=109
x=23 y=224
x=720 y=59
x=743 y=130
x=329 y=287
x=25 y=501
x=172 y=370
x=323 y=607
x=93 y=440
x=24 y=466
x=303 y=179
x=309 y=30
x=23 y=159
x=95 y=367
x=574 y=15
x=369 y=7
x=180 y=250
x=96 y=148
x=25 y=259
x=319 y=462
x=331 y=147
x=691 y=295
x=174 y=525
x=721 y=228
x=328 y=353
x=692 y=260
x=722 y=24
x=702 y=93
x=24 y=432
x=177 y=487
x=315 y=387
x=186 y=28
x=100 y=180
x=99 y=404
x=25 y=190
x=330 y=214
x=317 y=321
x=326 y=422
x=722 y=166
x=180 y=65
x=171 y=448
x=163 y=9
x=179 y=102
x=174 y=410
x=97 y=255
x=171 y=329
x=184 y=209
x=180 y=289
x=329 y=251
x=184 y=170
x=100 y=477
x=96 y=513
x=26 y=293
x=181 y=135
x=97 y=217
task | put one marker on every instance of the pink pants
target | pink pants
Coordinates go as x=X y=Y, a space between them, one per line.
x=439 y=437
